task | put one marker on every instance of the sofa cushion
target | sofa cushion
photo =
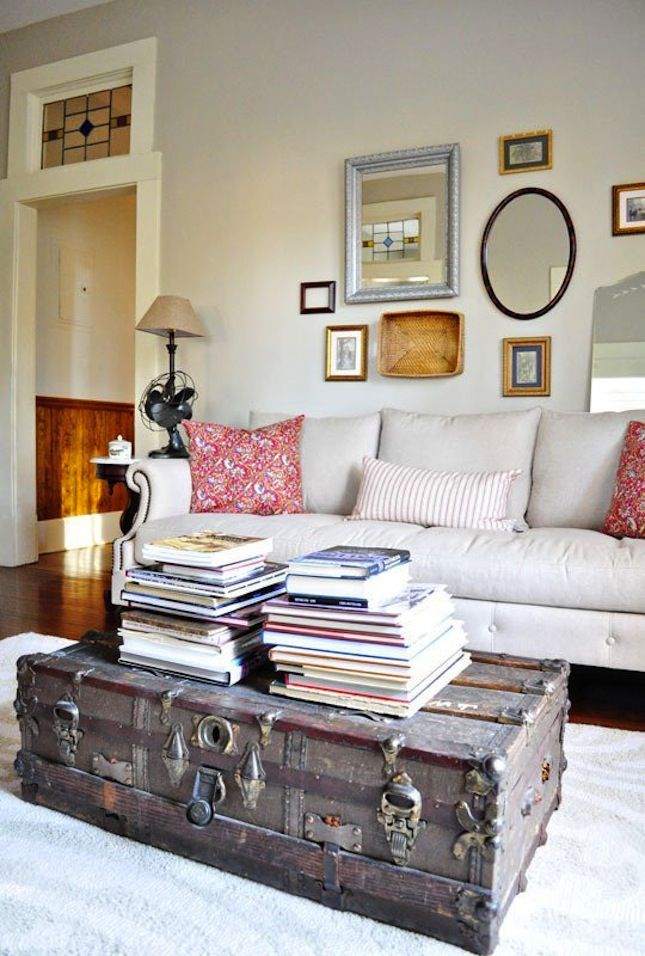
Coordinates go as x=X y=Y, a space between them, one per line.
x=251 y=472
x=626 y=515
x=574 y=468
x=331 y=457
x=572 y=568
x=448 y=499
x=502 y=441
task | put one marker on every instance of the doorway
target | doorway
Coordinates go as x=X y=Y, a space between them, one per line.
x=27 y=186
x=84 y=364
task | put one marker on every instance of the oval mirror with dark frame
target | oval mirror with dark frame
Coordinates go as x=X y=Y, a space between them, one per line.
x=528 y=252
x=402 y=225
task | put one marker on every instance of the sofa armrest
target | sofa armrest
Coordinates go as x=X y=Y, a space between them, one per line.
x=164 y=487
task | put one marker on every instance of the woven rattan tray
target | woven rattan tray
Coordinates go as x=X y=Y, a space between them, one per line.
x=421 y=344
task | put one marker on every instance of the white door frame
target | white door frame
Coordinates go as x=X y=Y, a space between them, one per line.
x=24 y=188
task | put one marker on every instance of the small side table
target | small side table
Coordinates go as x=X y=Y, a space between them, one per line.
x=113 y=471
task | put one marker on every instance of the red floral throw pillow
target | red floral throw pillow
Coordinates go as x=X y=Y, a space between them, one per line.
x=251 y=472
x=626 y=515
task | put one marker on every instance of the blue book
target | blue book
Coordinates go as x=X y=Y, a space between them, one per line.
x=348 y=562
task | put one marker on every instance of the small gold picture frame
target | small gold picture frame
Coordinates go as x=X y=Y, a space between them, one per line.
x=346 y=353
x=628 y=209
x=526 y=366
x=526 y=152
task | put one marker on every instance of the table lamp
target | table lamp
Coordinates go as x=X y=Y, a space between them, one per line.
x=168 y=399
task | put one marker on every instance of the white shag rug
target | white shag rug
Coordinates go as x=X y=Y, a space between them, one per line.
x=70 y=889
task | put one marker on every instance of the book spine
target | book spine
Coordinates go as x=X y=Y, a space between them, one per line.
x=322 y=601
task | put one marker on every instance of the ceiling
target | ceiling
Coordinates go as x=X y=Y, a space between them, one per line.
x=19 y=13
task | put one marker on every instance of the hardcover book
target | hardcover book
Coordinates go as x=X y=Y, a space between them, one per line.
x=185 y=607
x=398 y=611
x=374 y=590
x=269 y=573
x=348 y=561
x=206 y=548
x=354 y=701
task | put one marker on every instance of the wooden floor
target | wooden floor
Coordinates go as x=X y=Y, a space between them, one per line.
x=63 y=594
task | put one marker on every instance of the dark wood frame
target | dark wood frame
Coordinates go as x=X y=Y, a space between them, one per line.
x=363 y=331
x=616 y=228
x=331 y=299
x=504 y=141
x=483 y=255
x=542 y=342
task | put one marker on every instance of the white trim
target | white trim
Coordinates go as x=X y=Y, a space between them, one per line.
x=30 y=89
x=79 y=531
x=27 y=185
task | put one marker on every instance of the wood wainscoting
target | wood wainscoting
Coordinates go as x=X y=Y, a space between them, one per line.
x=69 y=432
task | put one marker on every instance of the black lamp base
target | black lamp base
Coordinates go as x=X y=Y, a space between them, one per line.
x=174 y=449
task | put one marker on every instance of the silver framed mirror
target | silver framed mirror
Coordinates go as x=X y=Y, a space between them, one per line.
x=402 y=225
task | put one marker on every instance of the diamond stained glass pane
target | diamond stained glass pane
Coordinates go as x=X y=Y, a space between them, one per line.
x=86 y=127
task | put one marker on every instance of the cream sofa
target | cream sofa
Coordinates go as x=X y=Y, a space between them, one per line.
x=560 y=588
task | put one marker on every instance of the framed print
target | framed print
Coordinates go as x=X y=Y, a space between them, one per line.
x=628 y=209
x=346 y=353
x=317 y=297
x=523 y=152
x=527 y=366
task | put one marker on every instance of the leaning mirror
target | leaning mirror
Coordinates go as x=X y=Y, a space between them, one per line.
x=402 y=225
x=618 y=356
x=528 y=252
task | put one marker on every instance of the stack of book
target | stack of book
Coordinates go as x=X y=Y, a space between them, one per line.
x=199 y=607
x=357 y=634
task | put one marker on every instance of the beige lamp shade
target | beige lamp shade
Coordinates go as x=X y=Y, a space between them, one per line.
x=171 y=313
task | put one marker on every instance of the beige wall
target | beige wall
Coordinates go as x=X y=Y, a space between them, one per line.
x=85 y=339
x=260 y=102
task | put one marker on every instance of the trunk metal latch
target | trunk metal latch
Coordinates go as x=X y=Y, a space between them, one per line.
x=400 y=814
x=209 y=790
x=68 y=736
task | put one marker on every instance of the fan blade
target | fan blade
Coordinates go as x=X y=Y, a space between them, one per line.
x=155 y=410
x=182 y=395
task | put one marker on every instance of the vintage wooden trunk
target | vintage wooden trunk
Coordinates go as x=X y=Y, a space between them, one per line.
x=428 y=823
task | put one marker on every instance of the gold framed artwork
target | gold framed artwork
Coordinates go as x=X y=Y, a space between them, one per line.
x=346 y=353
x=628 y=209
x=526 y=366
x=526 y=152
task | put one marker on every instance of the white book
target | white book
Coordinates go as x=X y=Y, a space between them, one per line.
x=188 y=608
x=404 y=690
x=395 y=663
x=353 y=701
x=141 y=643
x=363 y=628
x=180 y=652
x=206 y=549
x=377 y=589
x=302 y=643
x=399 y=611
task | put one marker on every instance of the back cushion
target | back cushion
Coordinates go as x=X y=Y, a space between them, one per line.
x=574 y=469
x=331 y=457
x=503 y=441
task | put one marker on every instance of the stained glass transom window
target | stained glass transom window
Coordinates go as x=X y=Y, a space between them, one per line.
x=90 y=126
x=397 y=239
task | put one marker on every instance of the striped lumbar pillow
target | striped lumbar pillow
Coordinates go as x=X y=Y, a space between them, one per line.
x=447 y=499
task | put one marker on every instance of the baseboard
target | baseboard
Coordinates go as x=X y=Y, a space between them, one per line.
x=79 y=531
